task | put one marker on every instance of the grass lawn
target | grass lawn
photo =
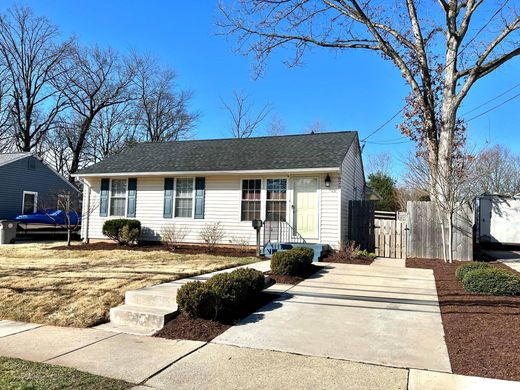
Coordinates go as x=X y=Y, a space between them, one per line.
x=18 y=374
x=42 y=284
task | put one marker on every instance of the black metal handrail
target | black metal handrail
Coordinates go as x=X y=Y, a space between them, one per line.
x=280 y=231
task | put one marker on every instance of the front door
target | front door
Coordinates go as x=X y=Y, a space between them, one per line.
x=306 y=207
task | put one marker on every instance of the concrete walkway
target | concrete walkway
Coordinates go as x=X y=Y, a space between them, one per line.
x=382 y=314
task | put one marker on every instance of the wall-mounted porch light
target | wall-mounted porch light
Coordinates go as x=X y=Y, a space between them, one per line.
x=327 y=181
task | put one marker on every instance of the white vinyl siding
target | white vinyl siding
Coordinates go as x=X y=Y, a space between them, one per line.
x=223 y=199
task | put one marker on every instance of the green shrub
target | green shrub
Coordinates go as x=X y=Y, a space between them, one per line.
x=223 y=296
x=252 y=278
x=231 y=295
x=294 y=262
x=123 y=231
x=468 y=267
x=492 y=281
x=365 y=253
x=197 y=300
x=307 y=253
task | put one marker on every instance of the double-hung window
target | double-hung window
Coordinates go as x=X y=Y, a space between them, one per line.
x=251 y=199
x=184 y=197
x=276 y=200
x=118 y=197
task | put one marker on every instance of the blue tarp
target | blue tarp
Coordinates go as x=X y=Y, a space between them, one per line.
x=51 y=217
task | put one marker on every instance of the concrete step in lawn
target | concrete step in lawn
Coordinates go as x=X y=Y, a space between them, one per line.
x=142 y=317
x=162 y=298
x=148 y=309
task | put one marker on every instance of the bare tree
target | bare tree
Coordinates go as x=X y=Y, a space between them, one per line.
x=457 y=188
x=6 y=134
x=92 y=80
x=316 y=127
x=380 y=163
x=162 y=112
x=244 y=121
x=113 y=128
x=57 y=153
x=498 y=171
x=441 y=55
x=31 y=55
x=276 y=126
x=64 y=209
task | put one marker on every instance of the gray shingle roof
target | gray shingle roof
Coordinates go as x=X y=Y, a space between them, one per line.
x=6 y=158
x=322 y=150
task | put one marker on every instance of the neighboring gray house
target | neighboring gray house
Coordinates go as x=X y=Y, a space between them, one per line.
x=303 y=181
x=24 y=180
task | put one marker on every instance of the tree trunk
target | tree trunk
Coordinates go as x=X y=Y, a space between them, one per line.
x=69 y=236
x=78 y=148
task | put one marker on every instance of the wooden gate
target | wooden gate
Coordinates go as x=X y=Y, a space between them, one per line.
x=390 y=233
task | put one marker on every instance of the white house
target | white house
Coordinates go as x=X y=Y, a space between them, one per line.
x=302 y=181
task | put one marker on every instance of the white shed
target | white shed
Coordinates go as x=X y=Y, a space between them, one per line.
x=498 y=219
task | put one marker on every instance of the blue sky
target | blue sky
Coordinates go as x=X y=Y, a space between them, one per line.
x=346 y=91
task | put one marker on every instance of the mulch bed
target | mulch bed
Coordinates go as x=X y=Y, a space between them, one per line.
x=146 y=247
x=344 y=258
x=286 y=279
x=198 y=329
x=482 y=331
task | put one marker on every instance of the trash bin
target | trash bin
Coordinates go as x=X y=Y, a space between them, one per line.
x=8 y=232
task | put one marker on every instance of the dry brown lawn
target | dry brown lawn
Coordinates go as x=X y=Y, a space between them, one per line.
x=41 y=284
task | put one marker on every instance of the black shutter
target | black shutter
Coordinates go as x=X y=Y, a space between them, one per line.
x=200 y=189
x=103 y=197
x=132 y=197
x=168 y=197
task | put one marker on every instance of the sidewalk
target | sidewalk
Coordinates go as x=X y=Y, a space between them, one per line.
x=154 y=363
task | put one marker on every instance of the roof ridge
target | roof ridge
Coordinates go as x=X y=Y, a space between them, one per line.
x=249 y=138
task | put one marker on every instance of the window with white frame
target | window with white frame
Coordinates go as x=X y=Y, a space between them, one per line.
x=276 y=200
x=184 y=197
x=251 y=199
x=118 y=197
x=29 y=202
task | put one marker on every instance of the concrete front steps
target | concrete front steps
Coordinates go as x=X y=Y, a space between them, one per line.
x=320 y=250
x=148 y=309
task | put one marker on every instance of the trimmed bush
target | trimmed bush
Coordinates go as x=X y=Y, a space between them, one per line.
x=123 y=231
x=231 y=294
x=294 y=262
x=468 y=267
x=492 y=281
x=306 y=253
x=221 y=297
x=197 y=300
x=252 y=278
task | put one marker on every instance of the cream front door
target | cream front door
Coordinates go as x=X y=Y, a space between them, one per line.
x=306 y=207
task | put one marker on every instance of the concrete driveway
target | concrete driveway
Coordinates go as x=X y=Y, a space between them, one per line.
x=378 y=314
x=510 y=258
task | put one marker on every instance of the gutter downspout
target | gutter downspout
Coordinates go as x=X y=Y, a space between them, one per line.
x=86 y=212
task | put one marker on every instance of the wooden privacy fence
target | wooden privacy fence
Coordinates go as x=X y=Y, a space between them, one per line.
x=425 y=237
x=390 y=234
